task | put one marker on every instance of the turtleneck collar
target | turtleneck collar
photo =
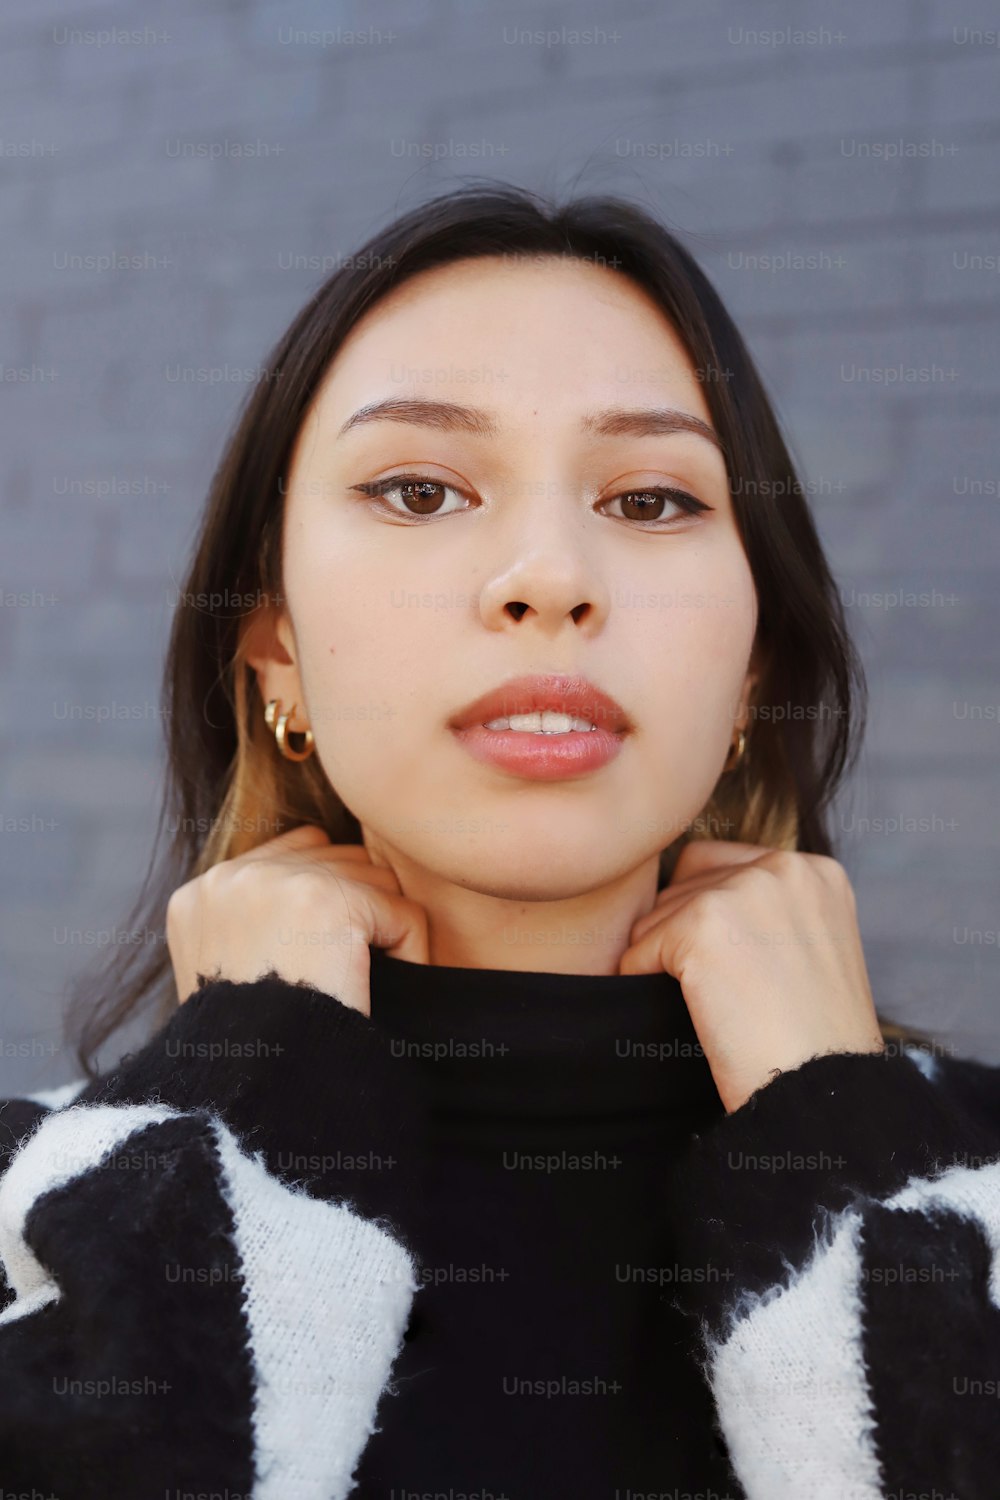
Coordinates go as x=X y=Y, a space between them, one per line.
x=512 y=1043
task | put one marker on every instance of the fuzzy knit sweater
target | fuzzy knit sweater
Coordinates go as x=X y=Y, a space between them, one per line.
x=497 y=1241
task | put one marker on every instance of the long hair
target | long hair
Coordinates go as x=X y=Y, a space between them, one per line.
x=226 y=787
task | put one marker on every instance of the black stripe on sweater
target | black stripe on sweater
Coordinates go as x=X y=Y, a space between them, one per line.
x=770 y=1178
x=141 y=1248
x=312 y=1084
x=930 y=1336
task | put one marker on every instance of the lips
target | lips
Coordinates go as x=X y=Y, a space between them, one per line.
x=575 y=696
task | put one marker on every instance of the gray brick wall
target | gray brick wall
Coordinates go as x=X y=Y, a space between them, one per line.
x=871 y=145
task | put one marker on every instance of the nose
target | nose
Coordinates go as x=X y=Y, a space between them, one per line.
x=549 y=573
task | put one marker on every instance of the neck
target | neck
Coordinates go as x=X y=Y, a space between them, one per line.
x=475 y=929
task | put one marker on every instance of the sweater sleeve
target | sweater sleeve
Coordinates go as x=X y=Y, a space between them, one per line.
x=209 y=1255
x=846 y=1225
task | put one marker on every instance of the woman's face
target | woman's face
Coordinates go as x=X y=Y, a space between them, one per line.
x=515 y=555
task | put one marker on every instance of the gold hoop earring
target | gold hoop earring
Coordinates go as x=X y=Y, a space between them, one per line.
x=277 y=722
x=739 y=745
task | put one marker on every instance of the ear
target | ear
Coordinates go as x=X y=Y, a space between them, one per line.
x=270 y=649
x=755 y=672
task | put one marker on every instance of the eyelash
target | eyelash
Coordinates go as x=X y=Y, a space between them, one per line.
x=377 y=489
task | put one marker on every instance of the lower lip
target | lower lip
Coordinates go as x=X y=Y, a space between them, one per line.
x=543 y=757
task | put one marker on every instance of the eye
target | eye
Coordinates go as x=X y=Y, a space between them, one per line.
x=415 y=489
x=647 y=500
x=422 y=497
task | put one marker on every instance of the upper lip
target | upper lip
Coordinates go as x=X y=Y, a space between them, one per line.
x=525 y=695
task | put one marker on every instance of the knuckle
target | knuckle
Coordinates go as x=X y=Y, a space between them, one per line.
x=180 y=902
x=831 y=869
x=302 y=885
x=238 y=873
x=209 y=882
x=708 y=911
x=785 y=863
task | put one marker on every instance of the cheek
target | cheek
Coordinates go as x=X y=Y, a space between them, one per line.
x=370 y=661
x=696 y=638
x=695 y=657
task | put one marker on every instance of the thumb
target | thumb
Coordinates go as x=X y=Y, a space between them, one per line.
x=398 y=925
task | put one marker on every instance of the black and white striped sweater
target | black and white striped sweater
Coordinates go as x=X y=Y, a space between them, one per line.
x=210 y=1265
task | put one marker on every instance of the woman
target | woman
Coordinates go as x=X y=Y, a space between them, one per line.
x=519 y=1119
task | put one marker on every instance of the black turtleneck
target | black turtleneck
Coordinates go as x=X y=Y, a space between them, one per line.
x=544 y=1356
x=220 y=1241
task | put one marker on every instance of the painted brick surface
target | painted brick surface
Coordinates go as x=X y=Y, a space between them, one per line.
x=867 y=150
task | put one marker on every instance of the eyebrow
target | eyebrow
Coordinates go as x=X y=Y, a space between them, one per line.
x=449 y=416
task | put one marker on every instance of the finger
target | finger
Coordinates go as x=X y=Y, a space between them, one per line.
x=355 y=864
x=702 y=855
x=356 y=870
x=657 y=947
x=300 y=834
x=304 y=836
x=398 y=925
x=671 y=898
x=656 y=951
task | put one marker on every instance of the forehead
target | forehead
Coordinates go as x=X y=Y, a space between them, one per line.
x=515 y=333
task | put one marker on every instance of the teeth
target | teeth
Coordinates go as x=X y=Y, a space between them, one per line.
x=545 y=722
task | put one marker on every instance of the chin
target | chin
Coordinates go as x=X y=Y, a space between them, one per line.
x=528 y=885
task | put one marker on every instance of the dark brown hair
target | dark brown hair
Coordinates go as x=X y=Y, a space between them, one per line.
x=227 y=788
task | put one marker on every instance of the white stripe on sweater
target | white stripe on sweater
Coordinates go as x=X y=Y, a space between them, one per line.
x=790 y=1386
x=327 y=1298
x=924 y=1060
x=34 y=1302
x=327 y=1293
x=815 y=1433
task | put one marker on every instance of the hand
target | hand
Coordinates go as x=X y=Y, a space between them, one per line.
x=298 y=904
x=766 y=947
